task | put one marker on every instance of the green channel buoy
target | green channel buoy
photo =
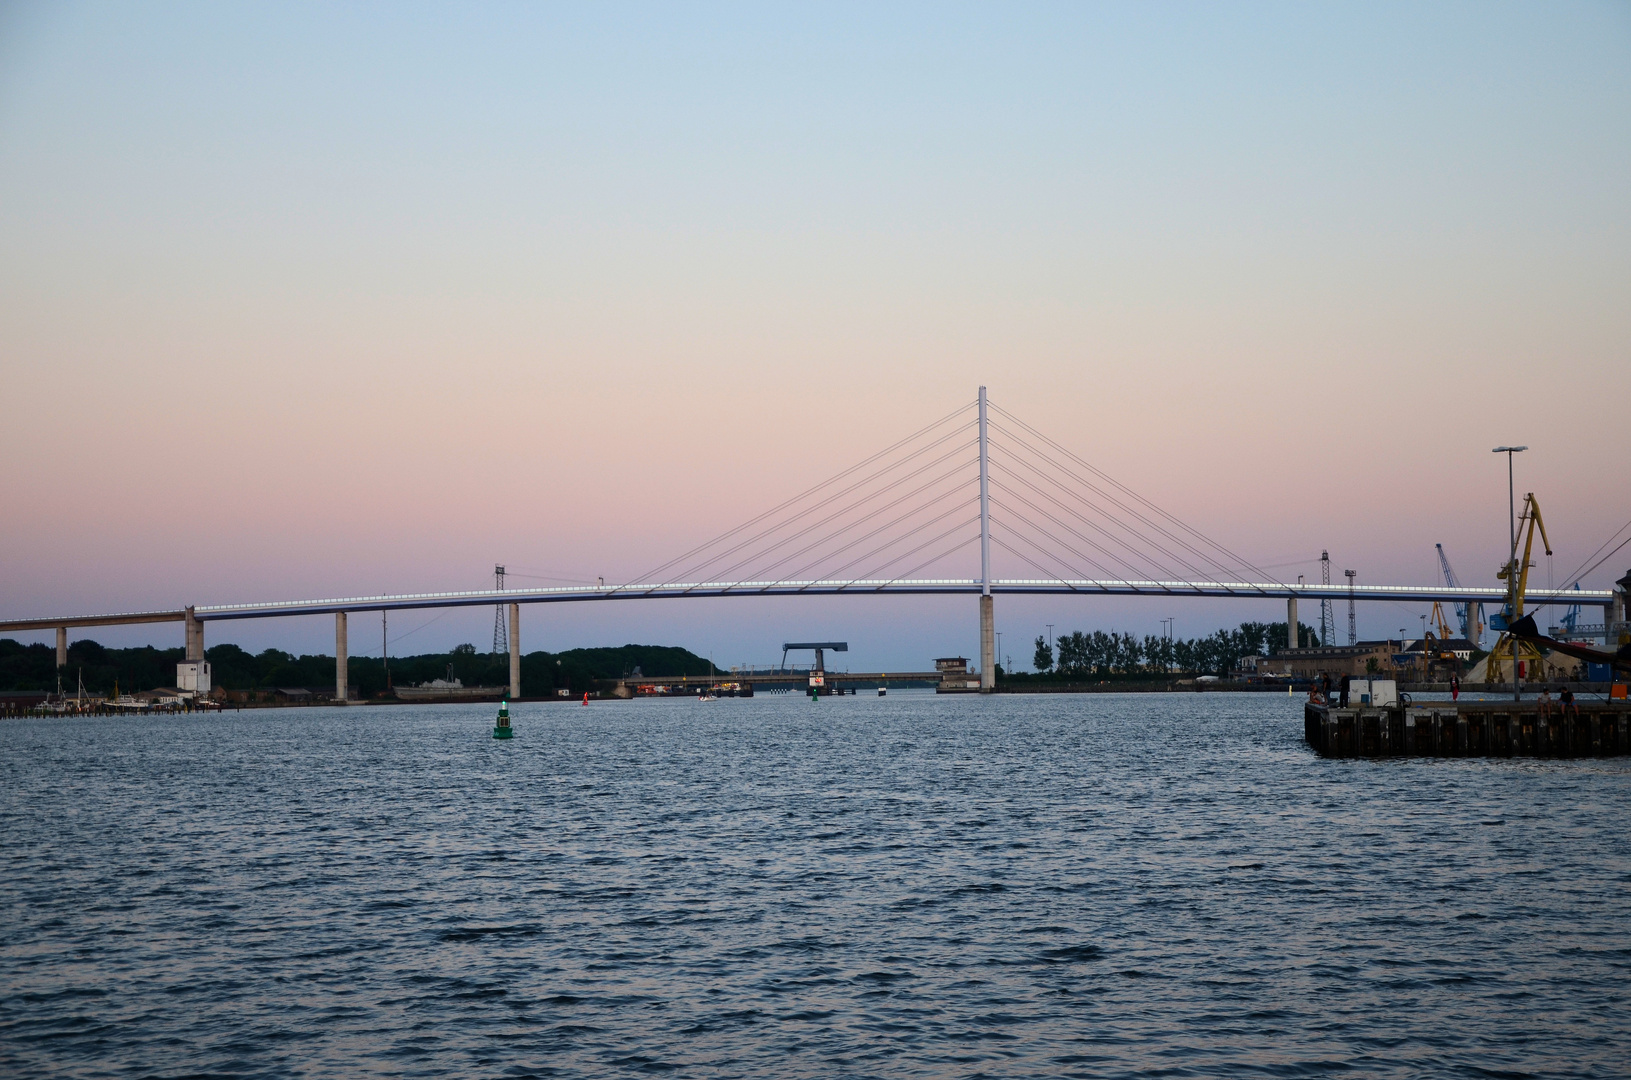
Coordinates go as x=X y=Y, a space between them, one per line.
x=501 y=730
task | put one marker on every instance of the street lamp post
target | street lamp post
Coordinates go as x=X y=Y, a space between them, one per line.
x=1512 y=561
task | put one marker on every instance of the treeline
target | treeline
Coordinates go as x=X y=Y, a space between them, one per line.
x=34 y=667
x=1102 y=653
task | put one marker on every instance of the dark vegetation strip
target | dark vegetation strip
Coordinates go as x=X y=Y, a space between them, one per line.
x=1104 y=655
x=33 y=667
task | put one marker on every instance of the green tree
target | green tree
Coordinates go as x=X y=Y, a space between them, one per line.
x=1043 y=658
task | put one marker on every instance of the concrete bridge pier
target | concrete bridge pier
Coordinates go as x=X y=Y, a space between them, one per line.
x=195 y=636
x=342 y=669
x=515 y=650
x=1291 y=622
x=62 y=646
x=988 y=646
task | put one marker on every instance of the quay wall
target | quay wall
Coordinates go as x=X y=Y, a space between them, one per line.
x=1470 y=729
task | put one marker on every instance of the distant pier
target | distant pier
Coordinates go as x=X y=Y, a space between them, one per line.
x=1470 y=729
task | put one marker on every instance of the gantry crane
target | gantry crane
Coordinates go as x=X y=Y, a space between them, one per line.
x=1517 y=579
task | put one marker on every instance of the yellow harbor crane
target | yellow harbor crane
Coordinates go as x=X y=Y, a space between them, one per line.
x=1528 y=655
x=1435 y=649
x=1439 y=622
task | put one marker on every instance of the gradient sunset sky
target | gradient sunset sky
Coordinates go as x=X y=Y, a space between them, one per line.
x=303 y=300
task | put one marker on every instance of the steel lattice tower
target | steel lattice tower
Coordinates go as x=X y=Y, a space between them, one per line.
x=1353 y=632
x=1328 y=622
x=501 y=633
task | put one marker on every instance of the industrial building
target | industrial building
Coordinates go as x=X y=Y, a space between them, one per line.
x=1332 y=660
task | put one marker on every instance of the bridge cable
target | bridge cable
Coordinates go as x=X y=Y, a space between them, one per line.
x=1039 y=569
x=808 y=491
x=796 y=574
x=1582 y=570
x=843 y=510
x=955 y=507
x=931 y=540
x=771 y=530
x=1120 y=523
x=1110 y=575
x=1103 y=570
x=1107 y=573
x=1140 y=571
x=930 y=562
x=697 y=568
x=1239 y=561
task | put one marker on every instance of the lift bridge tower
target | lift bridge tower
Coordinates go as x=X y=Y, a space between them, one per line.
x=501 y=635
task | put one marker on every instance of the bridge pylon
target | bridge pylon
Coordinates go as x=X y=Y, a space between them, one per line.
x=988 y=621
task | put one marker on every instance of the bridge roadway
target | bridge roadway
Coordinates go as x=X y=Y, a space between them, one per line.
x=1238 y=590
x=194 y=618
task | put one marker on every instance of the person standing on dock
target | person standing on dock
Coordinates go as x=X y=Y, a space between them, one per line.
x=1346 y=679
x=1455 y=688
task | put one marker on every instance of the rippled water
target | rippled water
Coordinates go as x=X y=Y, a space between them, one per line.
x=1084 y=885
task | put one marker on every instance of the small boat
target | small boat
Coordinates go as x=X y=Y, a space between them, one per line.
x=883 y=691
x=501 y=729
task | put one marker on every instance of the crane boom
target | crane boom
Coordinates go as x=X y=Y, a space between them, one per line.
x=1523 y=649
x=1470 y=616
x=1531 y=514
x=1449 y=571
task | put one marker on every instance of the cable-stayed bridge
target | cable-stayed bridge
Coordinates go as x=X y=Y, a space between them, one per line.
x=922 y=516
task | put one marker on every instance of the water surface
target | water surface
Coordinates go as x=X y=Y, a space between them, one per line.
x=1094 y=885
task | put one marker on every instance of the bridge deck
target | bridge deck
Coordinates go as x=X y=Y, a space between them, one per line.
x=1242 y=590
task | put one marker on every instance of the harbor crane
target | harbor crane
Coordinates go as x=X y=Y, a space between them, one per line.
x=1470 y=616
x=1435 y=649
x=1571 y=618
x=1516 y=574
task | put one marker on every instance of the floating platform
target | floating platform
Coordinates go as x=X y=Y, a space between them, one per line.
x=1469 y=729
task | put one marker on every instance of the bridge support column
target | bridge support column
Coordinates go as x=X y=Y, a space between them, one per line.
x=342 y=662
x=1291 y=622
x=515 y=650
x=195 y=636
x=988 y=646
x=62 y=646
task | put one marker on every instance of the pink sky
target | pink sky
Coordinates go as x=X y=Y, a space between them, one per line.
x=295 y=304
